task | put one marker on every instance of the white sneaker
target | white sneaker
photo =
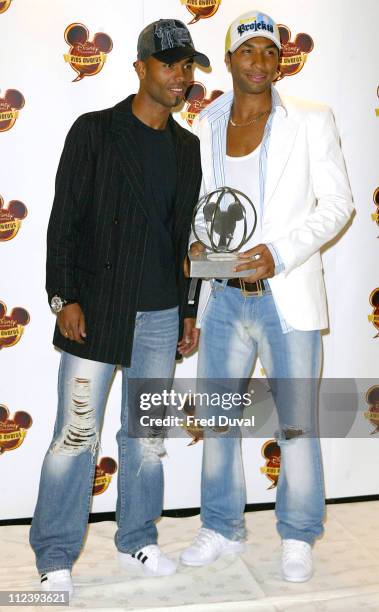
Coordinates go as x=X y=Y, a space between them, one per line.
x=151 y=559
x=208 y=546
x=60 y=580
x=297 y=565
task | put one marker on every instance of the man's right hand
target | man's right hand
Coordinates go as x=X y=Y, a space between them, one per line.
x=71 y=323
x=196 y=249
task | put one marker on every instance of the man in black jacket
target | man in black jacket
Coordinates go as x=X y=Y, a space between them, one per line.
x=126 y=186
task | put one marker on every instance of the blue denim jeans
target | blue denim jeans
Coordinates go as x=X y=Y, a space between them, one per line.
x=65 y=492
x=235 y=330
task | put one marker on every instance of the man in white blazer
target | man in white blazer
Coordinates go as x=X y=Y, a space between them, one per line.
x=285 y=156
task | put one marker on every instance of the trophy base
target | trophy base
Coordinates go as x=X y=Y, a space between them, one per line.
x=216 y=265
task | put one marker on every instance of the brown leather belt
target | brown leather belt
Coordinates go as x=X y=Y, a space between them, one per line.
x=248 y=289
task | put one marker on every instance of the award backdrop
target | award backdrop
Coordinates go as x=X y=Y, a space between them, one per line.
x=60 y=61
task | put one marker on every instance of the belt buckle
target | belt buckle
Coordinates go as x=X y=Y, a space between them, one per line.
x=246 y=293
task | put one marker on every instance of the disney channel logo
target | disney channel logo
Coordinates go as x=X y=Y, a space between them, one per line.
x=12 y=326
x=271 y=453
x=372 y=414
x=196 y=99
x=4 y=6
x=103 y=475
x=374 y=316
x=294 y=53
x=201 y=9
x=13 y=430
x=375 y=215
x=87 y=57
x=10 y=105
x=10 y=218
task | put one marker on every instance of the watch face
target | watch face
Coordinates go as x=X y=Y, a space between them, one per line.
x=56 y=304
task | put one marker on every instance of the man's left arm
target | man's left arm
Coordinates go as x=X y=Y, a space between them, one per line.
x=332 y=212
x=190 y=338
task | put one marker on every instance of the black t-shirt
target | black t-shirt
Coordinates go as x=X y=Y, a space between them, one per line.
x=158 y=288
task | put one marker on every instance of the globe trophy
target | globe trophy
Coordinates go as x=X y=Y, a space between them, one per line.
x=223 y=221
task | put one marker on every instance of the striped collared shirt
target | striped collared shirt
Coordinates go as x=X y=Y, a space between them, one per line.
x=218 y=114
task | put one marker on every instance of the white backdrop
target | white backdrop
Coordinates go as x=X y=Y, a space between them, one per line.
x=339 y=71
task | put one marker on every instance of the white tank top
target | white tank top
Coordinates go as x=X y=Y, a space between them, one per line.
x=242 y=173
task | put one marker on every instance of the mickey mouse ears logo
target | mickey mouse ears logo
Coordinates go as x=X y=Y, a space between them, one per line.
x=193 y=425
x=194 y=430
x=372 y=414
x=375 y=197
x=374 y=317
x=103 y=475
x=196 y=99
x=294 y=53
x=201 y=9
x=86 y=57
x=4 y=6
x=13 y=430
x=10 y=218
x=12 y=326
x=271 y=452
x=10 y=104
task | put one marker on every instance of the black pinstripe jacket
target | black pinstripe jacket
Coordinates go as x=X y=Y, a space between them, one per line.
x=98 y=228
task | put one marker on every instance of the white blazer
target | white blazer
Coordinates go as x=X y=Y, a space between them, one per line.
x=307 y=202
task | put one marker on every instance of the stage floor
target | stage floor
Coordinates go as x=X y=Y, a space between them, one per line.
x=346 y=569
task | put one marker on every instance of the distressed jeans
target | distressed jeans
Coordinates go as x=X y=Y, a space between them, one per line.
x=65 y=493
x=235 y=329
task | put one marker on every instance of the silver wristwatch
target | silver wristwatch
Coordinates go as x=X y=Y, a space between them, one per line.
x=57 y=303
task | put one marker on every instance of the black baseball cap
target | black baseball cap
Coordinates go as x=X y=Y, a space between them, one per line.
x=168 y=40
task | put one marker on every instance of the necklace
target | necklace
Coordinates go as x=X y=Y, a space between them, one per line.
x=253 y=120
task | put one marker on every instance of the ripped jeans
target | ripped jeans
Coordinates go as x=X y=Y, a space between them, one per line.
x=235 y=329
x=65 y=493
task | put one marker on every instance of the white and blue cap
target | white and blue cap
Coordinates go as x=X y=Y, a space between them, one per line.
x=250 y=25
